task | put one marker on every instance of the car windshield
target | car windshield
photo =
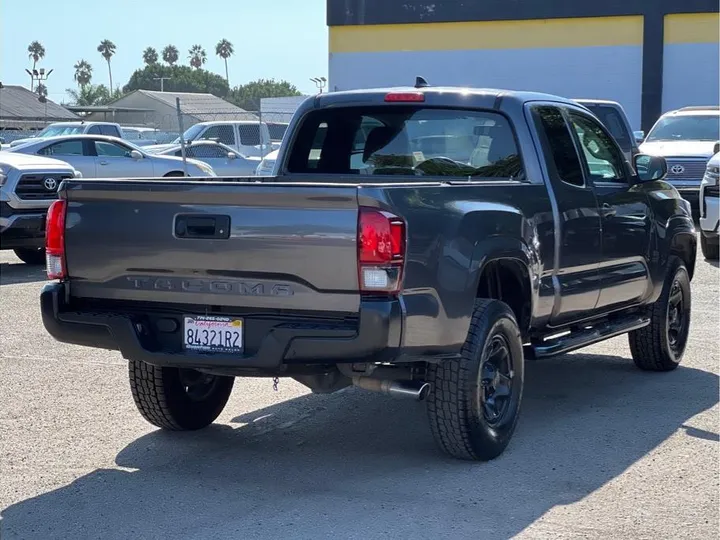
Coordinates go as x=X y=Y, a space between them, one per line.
x=407 y=141
x=686 y=128
x=56 y=131
x=191 y=133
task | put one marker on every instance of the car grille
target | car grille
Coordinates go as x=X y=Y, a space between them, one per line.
x=686 y=169
x=39 y=186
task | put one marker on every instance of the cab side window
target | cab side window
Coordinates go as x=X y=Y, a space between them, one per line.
x=603 y=159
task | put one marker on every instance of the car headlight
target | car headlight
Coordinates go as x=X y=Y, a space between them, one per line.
x=712 y=174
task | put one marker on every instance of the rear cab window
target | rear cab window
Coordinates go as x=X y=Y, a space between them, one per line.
x=403 y=140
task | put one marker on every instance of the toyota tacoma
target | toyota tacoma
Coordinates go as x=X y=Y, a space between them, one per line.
x=420 y=241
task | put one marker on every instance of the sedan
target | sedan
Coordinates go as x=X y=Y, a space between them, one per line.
x=223 y=159
x=99 y=156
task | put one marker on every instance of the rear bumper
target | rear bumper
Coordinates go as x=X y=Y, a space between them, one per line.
x=21 y=229
x=375 y=337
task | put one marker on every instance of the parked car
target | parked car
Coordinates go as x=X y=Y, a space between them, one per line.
x=686 y=138
x=710 y=209
x=58 y=129
x=140 y=136
x=613 y=117
x=223 y=159
x=28 y=184
x=96 y=156
x=247 y=138
x=368 y=264
x=266 y=166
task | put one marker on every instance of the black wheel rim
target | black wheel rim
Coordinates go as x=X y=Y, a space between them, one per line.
x=198 y=386
x=676 y=319
x=496 y=380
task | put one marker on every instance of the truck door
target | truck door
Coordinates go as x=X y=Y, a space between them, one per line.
x=624 y=213
x=577 y=223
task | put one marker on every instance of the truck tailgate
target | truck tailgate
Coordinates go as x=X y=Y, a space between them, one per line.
x=281 y=246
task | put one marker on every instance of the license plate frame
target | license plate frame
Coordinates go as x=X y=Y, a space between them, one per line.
x=213 y=334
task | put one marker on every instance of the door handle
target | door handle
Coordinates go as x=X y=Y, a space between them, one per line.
x=607 y=210
x=103 y=163
x=202 y=226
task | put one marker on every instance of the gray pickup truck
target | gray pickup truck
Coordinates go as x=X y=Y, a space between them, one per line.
x=419 y=241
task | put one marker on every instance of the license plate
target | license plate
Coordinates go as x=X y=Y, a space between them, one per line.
x=213 y=334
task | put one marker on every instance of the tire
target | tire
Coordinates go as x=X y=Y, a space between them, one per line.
x=33 y=256
x=174 y=174
x=461 y=419
x=178 y=399
x=710 y=247
x=660 y=345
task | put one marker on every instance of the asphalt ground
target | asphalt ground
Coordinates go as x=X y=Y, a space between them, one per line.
x=602 y=450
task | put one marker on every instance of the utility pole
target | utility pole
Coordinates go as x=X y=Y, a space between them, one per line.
x=162 y=82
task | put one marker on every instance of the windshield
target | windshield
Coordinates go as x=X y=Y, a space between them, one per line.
x=686 y=128
x=408 y=141
x=191 y=133
x=56 y=131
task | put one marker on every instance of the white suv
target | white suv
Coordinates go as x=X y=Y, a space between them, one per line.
x=686 y=139
x=710 y=209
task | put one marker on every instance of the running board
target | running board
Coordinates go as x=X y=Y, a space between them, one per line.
x=582 y=338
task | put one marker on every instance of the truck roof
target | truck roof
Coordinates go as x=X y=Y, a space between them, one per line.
x=18 y=160
x=449 y=95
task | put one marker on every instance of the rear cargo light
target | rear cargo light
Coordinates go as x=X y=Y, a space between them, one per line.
x=381 y=251
x=55 y=240
x=405 y=96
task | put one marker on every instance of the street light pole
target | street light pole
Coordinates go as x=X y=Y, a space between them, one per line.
x=162 y=82
x=320 y=82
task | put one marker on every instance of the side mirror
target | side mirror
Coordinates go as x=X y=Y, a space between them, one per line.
x=135 y=154
x=232 y=155
x=639 y=136
x=716 y=148
x=650 y=168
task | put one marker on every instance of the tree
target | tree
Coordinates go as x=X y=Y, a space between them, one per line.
x=91 y=94
x=224 y=49
x=107 y=50
x=41 y=90
x=181 y=79
x=83 y=73
x=36 y=51
x=197 y=57
x=170 y=54
x=150 y=56
x=247 y=96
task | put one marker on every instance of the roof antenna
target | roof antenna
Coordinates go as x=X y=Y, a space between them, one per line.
x=420 y=82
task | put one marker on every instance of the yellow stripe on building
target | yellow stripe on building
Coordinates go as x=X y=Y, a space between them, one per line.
x=692 y=28
x=581 y=32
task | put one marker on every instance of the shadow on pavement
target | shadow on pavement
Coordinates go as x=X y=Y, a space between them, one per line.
x=357 y=465
x=11 y=274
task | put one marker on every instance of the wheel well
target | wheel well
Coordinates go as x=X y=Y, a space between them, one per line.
x=685 y=247
x=508 y=280
x=174 y=174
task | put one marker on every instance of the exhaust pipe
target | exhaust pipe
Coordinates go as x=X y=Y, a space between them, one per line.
x=411 y=389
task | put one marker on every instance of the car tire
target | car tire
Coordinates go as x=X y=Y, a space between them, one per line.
x=178 y=399
x=466 y=419
x=33 y=256
x=710 y=247
x=174 y=174
x=660 y=345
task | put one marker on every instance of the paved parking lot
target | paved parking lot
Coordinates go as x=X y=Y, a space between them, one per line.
x=602 y=450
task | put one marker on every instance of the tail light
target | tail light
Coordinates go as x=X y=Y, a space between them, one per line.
x=381 y=251
x=55 y=240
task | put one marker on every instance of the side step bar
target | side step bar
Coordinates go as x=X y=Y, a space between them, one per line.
x=582 y=338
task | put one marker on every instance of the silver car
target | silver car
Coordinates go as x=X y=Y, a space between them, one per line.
x=224 y=160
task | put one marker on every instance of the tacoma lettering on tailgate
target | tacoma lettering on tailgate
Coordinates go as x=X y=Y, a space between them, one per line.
x=214 y=286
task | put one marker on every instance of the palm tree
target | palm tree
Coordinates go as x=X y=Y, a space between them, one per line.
x=83 y=73
x=150 y=56
x=170 y=54
x=37 y=52
x=224 y=49
x=107 y=50
x=197 y=57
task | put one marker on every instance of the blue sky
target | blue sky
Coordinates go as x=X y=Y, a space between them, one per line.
x=281 y=39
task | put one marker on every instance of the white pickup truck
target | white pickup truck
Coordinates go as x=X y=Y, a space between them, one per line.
x=248 y=138
x=58 y=129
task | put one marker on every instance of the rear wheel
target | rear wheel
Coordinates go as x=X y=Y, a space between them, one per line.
x=710 y=247
x=660 y=345
x=474 y=401
x=34 y=256
x=178 y=399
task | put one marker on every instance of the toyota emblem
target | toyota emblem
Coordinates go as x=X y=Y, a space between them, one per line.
x=677 y=169
x=50 y=183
